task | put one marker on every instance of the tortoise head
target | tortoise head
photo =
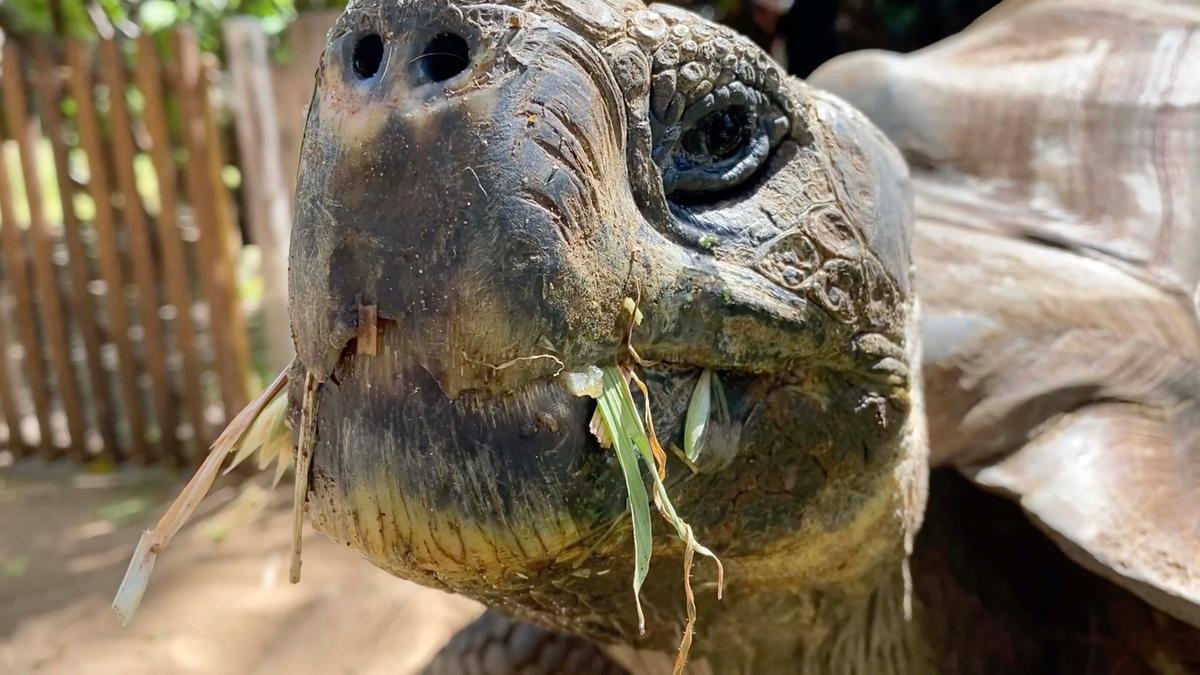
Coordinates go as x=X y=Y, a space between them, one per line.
x=496 y=179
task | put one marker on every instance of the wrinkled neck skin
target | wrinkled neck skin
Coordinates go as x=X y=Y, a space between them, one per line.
x=497 y=218
x=809 y=634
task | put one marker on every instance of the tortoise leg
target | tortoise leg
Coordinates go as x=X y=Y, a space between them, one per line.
x=497 y=645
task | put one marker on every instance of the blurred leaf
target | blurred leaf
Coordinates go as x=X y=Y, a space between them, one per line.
x=99 y=465
x=32 y=17
x=698 y=413
x=274 y=25
x=155 y=15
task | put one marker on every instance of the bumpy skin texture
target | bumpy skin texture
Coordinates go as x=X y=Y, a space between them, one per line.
x=498 y=216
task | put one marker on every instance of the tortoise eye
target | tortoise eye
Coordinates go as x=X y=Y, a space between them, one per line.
x=721 y=134
x=718 y=145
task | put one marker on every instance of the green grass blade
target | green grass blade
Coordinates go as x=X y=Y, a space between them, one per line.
x=699 y=412
x=628 y=419
x=617 y=389
x=629 y=409
x=668 y=509
x=639 y=501
x=619 y=415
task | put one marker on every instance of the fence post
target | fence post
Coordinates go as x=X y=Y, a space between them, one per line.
x=174 y=255
x=8 y=407
x=267 y=197
x=230 y=239
x=112 y=72
x=18 y=278
x=49 y=92
x=292 y=84
x=49 y=294
x=216 y=269
x=110 y=263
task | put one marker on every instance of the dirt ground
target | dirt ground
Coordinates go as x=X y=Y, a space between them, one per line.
x=219 y=602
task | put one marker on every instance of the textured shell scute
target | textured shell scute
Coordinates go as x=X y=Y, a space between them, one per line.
x=1073 y=121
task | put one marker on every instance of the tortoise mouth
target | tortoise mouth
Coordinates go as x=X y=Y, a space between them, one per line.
x=505 y=496
x=476 y=492
x=456 y=491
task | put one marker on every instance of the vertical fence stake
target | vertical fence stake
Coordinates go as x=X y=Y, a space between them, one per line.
x=230 y=237
x=267 y=197
x=112 y=69
x=49 y=294
x=149 y=72
x=8 y=406
x=110 y=264
x=18 y=279
x=46 y=313
x=216 y=272
x=49 y=93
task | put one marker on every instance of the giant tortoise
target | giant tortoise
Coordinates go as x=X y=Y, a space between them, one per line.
x=496 y=197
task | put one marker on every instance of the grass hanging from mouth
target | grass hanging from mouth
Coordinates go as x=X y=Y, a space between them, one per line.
x=699 y=411
x=304 y=448
x=708 y=393
x=630 y=440
x=259 y=426
x=609 y=410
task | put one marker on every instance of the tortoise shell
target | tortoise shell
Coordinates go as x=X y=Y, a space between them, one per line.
x=1076 y=122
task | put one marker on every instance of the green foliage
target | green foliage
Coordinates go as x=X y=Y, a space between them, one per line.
x=78 y=17
x=631 y=441
x=619 y=424
x=34 y=17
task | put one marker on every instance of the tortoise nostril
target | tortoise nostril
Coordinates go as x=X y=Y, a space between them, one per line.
x=445 y=56
x=368 y=55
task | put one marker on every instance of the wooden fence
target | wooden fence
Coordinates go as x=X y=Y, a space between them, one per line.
x=121 y=330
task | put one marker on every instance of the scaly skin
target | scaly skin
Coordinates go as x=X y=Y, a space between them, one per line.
x=498 y=216
x=498 y=200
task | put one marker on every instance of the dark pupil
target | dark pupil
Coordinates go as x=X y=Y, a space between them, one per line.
x=724 y=133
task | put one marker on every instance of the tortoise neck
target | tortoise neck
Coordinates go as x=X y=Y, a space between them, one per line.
x=818 y=634
x=871 y=636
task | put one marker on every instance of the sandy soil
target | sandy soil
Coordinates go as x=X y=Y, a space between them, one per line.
x=220 y=601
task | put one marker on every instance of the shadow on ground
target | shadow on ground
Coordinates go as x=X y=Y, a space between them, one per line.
x=220 y=601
